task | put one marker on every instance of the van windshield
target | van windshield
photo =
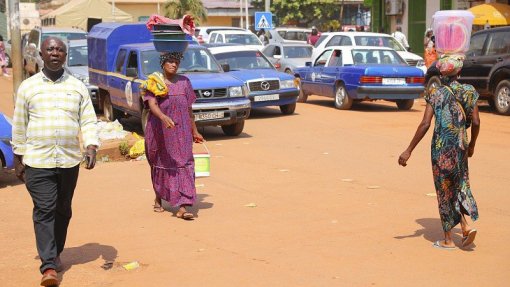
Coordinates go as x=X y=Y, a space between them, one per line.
x=381 y=41
x=244 y=60
x=194 y=61
x=65 y=36
x=77 y=56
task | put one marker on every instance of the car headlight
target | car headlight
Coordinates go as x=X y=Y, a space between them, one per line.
x=288 y=84
x=420 y=63
x=236 y=91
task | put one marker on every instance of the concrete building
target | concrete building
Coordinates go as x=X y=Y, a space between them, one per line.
x=414 y=16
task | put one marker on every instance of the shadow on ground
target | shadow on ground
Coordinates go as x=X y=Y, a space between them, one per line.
x=432 y=231
x=86 y=253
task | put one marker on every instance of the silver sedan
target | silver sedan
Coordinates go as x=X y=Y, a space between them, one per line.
x=288 y=56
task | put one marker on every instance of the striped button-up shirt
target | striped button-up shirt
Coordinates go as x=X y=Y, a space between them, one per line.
x=48 y=118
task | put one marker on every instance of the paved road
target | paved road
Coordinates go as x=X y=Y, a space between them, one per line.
x=333 y=208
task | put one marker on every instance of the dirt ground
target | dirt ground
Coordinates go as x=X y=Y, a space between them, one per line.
x=313 y=199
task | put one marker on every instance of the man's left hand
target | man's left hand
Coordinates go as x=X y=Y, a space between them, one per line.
x=90 y=157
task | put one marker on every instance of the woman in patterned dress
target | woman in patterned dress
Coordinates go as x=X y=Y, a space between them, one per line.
x=454 y=107
x=169 y=136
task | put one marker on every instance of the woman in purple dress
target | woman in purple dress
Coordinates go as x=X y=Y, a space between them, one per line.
x=169 y=136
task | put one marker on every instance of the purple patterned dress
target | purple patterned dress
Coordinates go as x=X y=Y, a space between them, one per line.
x=169 y=151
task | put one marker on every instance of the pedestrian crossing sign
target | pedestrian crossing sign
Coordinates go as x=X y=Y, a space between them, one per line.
x=263 y=20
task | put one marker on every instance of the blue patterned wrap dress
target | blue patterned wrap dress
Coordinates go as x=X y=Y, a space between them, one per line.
x=453 y=106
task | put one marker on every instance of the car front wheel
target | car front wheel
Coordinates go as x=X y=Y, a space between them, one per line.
x=110 y=113
x=288 y=109
x=342 y=100
x=233 y=129
x=502 y=98
x=433 y=82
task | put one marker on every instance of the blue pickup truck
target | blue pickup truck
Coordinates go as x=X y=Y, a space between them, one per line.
x=121 y=56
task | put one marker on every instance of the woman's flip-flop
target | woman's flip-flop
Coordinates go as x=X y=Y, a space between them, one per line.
x=158 y=207
x=437 y=244
x=185 y=215
x=469 y=238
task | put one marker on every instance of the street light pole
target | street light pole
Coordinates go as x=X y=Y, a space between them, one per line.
x=16 y=56
x=267 y=6
x=247 y=20
x=241 y=22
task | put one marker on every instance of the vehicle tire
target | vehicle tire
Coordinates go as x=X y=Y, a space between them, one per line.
x=302 y=97
x=233 y=129
x=342 y=100
x=288 y=109
x=405 y=105
x=433 y=82
x=144 y=119
x=109 y=112
x=8 y=61
x=502 y=98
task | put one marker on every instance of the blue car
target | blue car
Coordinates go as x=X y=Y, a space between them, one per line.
x=354 y=73
x=266 y=86
x=6 y=154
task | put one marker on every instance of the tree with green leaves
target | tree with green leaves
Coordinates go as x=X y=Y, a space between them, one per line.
x=303 y=11
x=176 y=9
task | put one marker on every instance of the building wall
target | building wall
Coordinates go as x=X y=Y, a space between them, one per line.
x=140 y=9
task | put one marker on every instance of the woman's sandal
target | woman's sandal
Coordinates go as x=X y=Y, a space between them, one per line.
x=158 y=207
x=184 y=215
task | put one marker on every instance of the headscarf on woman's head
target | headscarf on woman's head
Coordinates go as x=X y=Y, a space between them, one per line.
x=449 y=66
x=427 y=31
x=170 y=56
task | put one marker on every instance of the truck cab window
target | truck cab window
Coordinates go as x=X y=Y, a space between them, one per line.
x=121 y=56
x=133 y=60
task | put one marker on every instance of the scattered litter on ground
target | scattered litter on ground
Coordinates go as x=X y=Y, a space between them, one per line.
x=373 y=187
x=334 y=221
x=250 y=205
x=107 y=265
x=347 y=179
x=138 y=149
x=105 y=158
x=246 y=143
x=199 y=185
x=325 y=152
x=284 y=170
x=431 y=194
x=201 y=250
x=111 y=130
x=131 y=265
x=142 y=157
x=219 y=144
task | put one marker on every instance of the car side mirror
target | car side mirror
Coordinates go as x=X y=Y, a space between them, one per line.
x=277 y=56
x=308 y=64
x=132 y=72
x=225 y=67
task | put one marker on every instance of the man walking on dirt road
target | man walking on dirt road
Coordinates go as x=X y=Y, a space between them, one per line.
x=52 y=107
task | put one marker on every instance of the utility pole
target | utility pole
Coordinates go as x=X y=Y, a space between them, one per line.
x=247 y=20
x=267 y=6
x=241 y=22
x=341 y=14
x=17 y=65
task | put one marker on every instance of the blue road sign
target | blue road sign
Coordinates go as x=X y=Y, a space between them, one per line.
x=263 y=20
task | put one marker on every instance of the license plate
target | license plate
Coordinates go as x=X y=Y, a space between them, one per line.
x=393 y=81
x=266 y=98
x=209 y=116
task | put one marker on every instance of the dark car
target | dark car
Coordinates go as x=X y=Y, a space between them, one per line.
x=486 y=67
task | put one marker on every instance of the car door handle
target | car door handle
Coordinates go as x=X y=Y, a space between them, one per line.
x=499 y=59
x=473 y=61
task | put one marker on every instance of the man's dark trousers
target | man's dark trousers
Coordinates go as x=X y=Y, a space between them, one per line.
x=52 y=191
